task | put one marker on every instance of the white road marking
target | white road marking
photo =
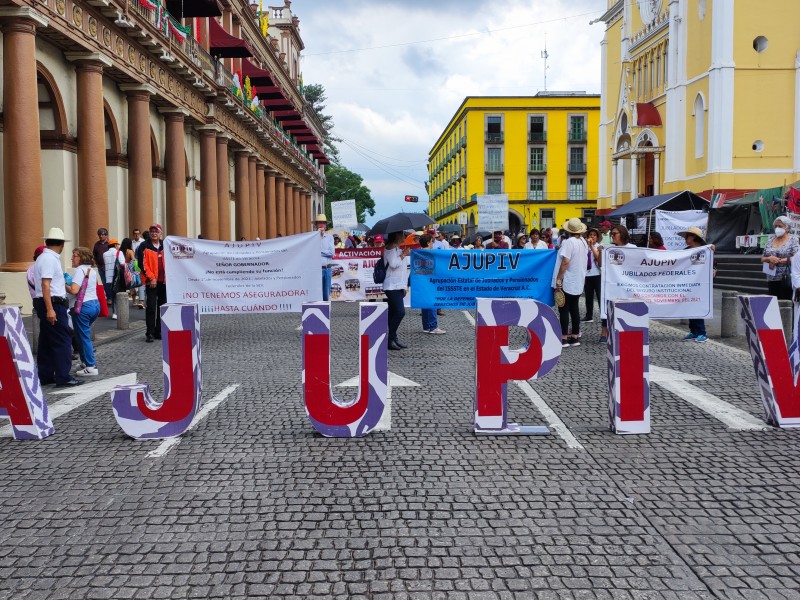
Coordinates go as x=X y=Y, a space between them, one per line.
x=395 y=380
x=470 y=318
x=677 y=383
x=212 y=404
x=78 y=397
x=550 y=416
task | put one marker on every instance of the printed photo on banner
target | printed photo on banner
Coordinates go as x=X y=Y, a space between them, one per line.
x=675 y=284
x=456 y=278
x=670 y=222
x=264 y=276
x=351 y=274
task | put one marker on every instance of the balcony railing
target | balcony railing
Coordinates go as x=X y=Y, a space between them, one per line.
x=537 y=136
x=493 y=167
x=494 y=137
x=537 y=168
x=576 y=136
x=576 y=167
x=537 y=196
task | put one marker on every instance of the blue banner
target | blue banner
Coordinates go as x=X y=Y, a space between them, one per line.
x=455 y=278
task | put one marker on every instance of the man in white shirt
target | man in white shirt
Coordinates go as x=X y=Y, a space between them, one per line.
x=441 y=242
x=569 y=277
x=54 y=357
x=327 y=251
x=111 y=257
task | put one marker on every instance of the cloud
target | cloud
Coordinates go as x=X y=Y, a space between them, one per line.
x=394 y=90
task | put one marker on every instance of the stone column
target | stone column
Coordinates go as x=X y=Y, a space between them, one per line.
x=298 y=210
x=613 y=183
x=656 y=173
x=22 y=155
x=280 y=203
x=92 y=188
x=223 y=189
x=209 y=204
x=242 y=174
x=289 y=195
x=634 y=176
x=251 y=170
x=175 y=163
x=140 y=164
x=261 y=200
x=272 y=210
x=309 y=210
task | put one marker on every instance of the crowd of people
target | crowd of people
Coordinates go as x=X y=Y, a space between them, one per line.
x=67 y=305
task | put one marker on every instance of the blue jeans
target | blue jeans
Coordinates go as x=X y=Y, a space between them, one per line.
x=397 y=311
x=429 y=319
x=83 y=326
x=326 y=284
x=697 y=326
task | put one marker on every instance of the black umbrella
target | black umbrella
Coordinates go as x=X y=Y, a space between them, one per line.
x=401 y=222
x=449 y=228
x=484 y=235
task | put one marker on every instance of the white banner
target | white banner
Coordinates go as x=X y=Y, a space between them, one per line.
x=493 y=212
x=670 y=222
x=343 y=215
x=675 y=284
x=244 y=277
x=351 y=274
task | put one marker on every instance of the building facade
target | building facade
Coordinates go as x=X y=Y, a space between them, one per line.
x=540 y=150
x=189 y=114
x=700 y=95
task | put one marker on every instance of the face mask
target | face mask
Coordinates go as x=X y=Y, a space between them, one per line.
x=779 y=231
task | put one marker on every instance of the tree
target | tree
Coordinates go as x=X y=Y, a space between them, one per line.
x=343 y=184
x=315 y=94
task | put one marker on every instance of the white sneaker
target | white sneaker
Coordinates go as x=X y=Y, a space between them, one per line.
x=437 y=331
x=114 y=316
x=88 y=372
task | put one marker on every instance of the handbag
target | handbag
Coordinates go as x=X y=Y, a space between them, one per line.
x=76 y=310
x=121 y=281
x=135 y=277
x=560 y=298
x=101 y=298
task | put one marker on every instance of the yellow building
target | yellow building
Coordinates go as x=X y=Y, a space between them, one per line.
x=540 y=150
x=701 y=95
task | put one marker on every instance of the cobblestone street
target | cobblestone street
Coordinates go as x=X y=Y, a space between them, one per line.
x=253 y=503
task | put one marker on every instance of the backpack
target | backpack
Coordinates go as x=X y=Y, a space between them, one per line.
x=379 y=272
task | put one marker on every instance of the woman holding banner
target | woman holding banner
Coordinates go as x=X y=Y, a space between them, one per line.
x=777 y=257
x=395 y=284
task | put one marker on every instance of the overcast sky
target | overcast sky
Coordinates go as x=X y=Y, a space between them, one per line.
x=395 y=71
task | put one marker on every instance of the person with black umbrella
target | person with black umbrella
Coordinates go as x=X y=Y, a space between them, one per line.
x=395 y=284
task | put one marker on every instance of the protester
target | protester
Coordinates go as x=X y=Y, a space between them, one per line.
x=395 y=284
x=569 y=277
x=605 y=236
x=327 y=250
x=478 y=244
x=86 y=307
x=430 y=321
x=440 y=242
x=379 y=241
x=591 y=287
x=338 y=244
x=100 y=248
x=497 y=242
x=655 y=241
x=522 y=240
x=455 y=242
x=111 y=258
x=535 y=242
x=697 y=327
x=29 y=274
x=155 y=279
x=50 y=303
x=778 y=252
x=140 y=264
x=621 y=238
x=548 y=238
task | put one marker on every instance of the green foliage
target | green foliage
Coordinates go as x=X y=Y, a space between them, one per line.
x=343 y=184
x=315 y=94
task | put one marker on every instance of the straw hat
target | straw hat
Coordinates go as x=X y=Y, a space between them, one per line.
x=695 y=231
x=575 y=225
x=321 y=218
x=56 y=233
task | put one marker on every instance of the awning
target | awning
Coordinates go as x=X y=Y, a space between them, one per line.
x=647 y=115
x=196 y=8
x=676 y=201
x=284 y=115
x=224 y=44
x=257 y=75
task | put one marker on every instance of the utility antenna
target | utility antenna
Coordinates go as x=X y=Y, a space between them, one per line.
x=545 y=56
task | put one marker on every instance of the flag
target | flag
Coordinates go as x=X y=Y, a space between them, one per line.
x=718 y=199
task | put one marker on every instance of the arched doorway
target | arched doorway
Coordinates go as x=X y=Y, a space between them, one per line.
x=515 y=223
